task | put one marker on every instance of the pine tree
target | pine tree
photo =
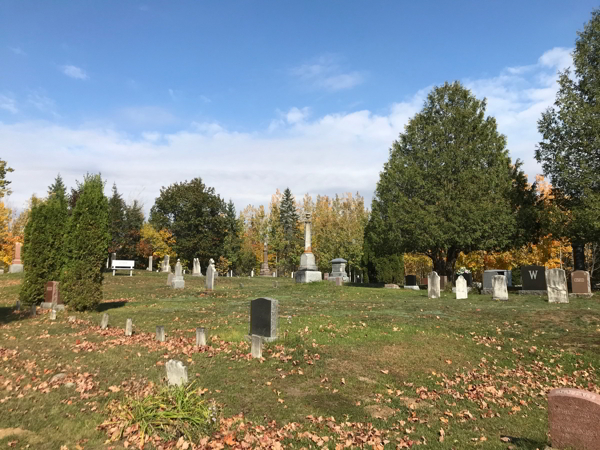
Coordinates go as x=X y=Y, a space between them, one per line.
x=116 y=218
x=131 y=233
x=86 y=244
x=291 y=247
x=232 y=241
x=43 y=255
x=4 y=169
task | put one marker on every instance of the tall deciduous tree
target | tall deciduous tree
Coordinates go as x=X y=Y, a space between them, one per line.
x=86 y=243
x=448 y=184
x=570 y=148
x=4 y=169
x=196 y=216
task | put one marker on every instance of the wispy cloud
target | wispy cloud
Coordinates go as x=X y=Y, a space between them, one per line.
x=42 y=103
x=327 y=73
x=8 y=103
x=74 y=72
x=17 y=51
x=146 y=116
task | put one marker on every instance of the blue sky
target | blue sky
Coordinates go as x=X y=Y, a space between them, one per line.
x=255 y=96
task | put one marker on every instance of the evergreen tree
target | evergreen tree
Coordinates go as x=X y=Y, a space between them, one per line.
x=448 y=184
x=58 y=189
x=116 y=221
x=568 y=151
x=291 y=241
x=132 y=226
x=4 y=169
x=86 y=243
x=232 y=241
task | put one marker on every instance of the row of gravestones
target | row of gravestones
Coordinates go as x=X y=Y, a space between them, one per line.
x=555 y=280
x=176 y=280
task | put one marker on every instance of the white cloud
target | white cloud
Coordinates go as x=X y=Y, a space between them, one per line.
x=336 y=152
x=8 y=103
x=42 y=103
x=326 y=73
x=74 y=72
x=17 y=51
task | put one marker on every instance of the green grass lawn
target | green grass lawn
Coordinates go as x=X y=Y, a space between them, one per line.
x=354 y=366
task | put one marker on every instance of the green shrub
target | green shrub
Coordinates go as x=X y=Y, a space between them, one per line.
x=86 y=245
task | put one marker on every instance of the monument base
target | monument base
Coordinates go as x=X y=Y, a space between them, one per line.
x=178 y=284
x=15 y=268
x=56 y=307
x=307 y=262
x=263 y=338
x=589 y=294
x=533 y=292
x=487 y=291
x=307 y=276
x=414 y=288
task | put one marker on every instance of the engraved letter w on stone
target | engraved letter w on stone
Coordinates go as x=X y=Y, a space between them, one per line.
x=533 y=274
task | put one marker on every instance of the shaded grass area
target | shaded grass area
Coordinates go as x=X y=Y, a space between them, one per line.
x=477 y=369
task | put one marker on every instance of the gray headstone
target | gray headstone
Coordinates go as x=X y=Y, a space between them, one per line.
x=33 y=310
x=53 y=314
x=461 y=288
x=488 y=274
x=18 y=305
x=166 y=267
x=104 y=322
x=499 y=288
x=160 y=334
x=264 y=317
x=433 y=285
x=178 y=282
x=176 y=373
x=196 y=269
x=169 y=279
x=149 y=268
x=128 y=327
x=210 y=275
x=556 y=280
x=200 y=337
x=256 y=346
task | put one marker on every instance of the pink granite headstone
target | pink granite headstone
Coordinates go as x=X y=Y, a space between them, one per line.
x=17 y=258
x=574 y=419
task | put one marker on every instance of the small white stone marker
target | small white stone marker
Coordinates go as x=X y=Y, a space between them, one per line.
x=53 y=314
x=72 y=319
x=129 y=327
x=176 y=373
x=256 y=346
x=200 y=337
x=160 y=334
x=104 y=322
x=499 y=288
x=462 y=290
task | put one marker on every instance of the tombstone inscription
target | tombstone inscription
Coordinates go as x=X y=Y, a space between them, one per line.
x=533 y=280
x=580 y=283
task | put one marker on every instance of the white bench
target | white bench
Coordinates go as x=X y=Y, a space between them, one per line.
x=122 y=264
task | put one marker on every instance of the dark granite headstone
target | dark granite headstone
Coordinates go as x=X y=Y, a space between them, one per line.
x=580 y=282
x=573 y=418
x=263 y=318
x=411 y=280
x=533 y=278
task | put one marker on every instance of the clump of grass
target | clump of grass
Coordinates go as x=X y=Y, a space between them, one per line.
x=171 y=413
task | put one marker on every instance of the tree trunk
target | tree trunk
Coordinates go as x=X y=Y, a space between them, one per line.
x=578 y=255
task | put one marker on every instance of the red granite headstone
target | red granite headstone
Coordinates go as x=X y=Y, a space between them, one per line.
x=338 y=281
x=52 y=293
x=574 y=418
x=580 y=282
x=17 y=258
x=424 y=281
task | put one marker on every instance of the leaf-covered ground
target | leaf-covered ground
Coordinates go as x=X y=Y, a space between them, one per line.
x=355 y=366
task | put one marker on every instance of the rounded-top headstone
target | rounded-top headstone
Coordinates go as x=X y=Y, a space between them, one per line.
x=573 y=418
x=338 y=260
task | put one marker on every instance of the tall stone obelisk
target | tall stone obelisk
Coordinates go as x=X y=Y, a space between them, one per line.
x=308 y=271
x=264 y=267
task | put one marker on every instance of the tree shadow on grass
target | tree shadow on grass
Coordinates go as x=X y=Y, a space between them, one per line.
x=110 y=305
x=526 y=443
x=8 y=314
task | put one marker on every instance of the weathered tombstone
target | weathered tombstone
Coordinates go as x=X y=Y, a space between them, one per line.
x=200 y=337
x=499 y=288
x=196 y=270
x=52 y=298
x=487 y=279
x=573 y=419
x=178 y=282
x=53 y=314
x=533 y=280
x=274 y=274
x=210 y=275
x=433 y=285
x=292 y=275
x=263 y=318
x=326 y=276
x=411 y=280
x=443 y=281
x=104 y=321
x=391 y=286
x=338 y=281
x=17 y=264
x=252 y=273
x=580 y=283
x=462 y=290
x=264 y=267
x=160 y=334
x=149 y=268
x=256 y=346
x=556 y=280
x=338 y=269
x=177 y=374
x=128 y=327
x=169 y=279
x=166 y=267
x=33 y=310
x=18 y=305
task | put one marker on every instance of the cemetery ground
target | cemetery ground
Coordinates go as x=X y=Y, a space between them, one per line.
x=354 y=366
